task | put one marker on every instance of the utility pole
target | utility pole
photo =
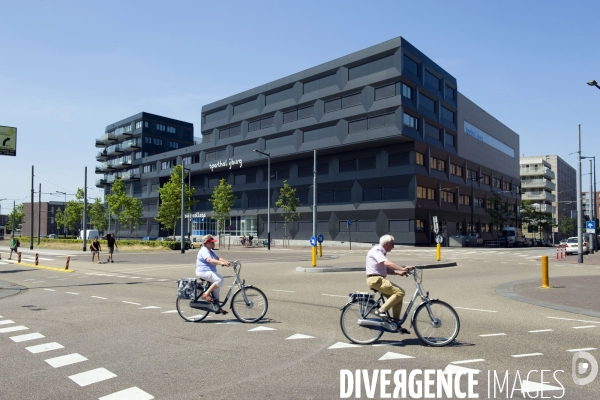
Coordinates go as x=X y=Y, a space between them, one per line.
x=31 y=223
x=85 y=210
x=39 y=213
x=579 y=216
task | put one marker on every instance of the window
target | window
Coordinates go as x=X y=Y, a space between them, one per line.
x=406 y=91
x=385 y=91
x=506 y=186
x=157 y=141
x=306 y=171
x=290 y=116
x=168 y=164
x=447 y=114
x=447 y=197
x=305 y=112
x=358 y=126
x=432 y=131
x=464 y=200
x=485 y=227
x=425 y=193
x=385 y=193
x=496 y=183
x=266 y=122
x=139 y=124
x=280 y=174
x=485 y=179
x=489 y=204
x=409 y=121
x=150 y=168
x=173 y=145
x=207 y=137
x=244 y=178
x=254 y=125
x=419 y=225
x=171 y=129
x=426 y=102
x=449 y=139
x=351 y=100
x=456 y=170
x=419 y=158
x=410 y=65
x=348 y=166
x=432 y=80
x=215 y=154
x=338 y=196
x=160 y=127
x=333 y=105
x=479 y=202
x=235 y=130
x=366 y=163
x=397 y=159
x=449 y=93
x=381 y=121
x=438 y=164
x=472 y=175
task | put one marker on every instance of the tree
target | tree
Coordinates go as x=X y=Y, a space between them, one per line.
x=169 y=210
x=61 y=220
x=97 y=214
x=132 y=213
x=288 y=202
x=222 y=199
x=116 y=201
x=534 y=217
x=498 y=211
x=17 y=215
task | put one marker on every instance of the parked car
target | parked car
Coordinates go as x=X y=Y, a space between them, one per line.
x=475 y=236
x=53 y=236
x=572 y=246
x=563 y=243
x=161 y=239
x=188 y=243
x=547 y=243
x=148 y=238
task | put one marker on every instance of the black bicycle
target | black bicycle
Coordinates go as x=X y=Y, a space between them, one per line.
x=435 y=322
x=248 y=303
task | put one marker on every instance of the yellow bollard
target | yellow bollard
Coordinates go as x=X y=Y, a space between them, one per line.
x=320 y=250
x=438 y=251
x=545 y=279
x=314 y=256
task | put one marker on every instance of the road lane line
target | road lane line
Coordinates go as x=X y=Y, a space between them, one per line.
x=92 y=376
x=71 y=293
x=40 y=348
x=168 y=312
x=279 y=290
x=577 y=320
x=69 y=359
x=98 y=297
x=129 y=302
x=493 y=334
x=584 y=327
x=145 y=308
x=50 y=290
x=541 y=330
x=333 y=295
x=526 y=355
x=475 y=309
x=586 y=349
x=467 y=361
x=6 y=321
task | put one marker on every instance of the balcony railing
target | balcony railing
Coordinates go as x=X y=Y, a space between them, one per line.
x=123 y=164
x=104 y=167
x=130 y=176
x=538 y=183
x=101 y=182
x=114 y=150
x=538 y=196
x=101 y=156
x=546 y=172
x=130 y=146
x=109 y=138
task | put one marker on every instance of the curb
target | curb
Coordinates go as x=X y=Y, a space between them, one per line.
x=362 y=269
x=44 y=267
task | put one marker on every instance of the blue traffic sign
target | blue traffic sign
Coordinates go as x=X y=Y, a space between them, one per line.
x=320 y=238
x=349 y=222
x=590 y=225
x=313 y=241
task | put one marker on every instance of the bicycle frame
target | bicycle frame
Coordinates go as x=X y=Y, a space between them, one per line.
x=238 y=282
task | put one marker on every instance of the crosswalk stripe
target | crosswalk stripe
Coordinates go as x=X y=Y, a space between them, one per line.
x=92 y=376
x=133 y=393
x=69 y=359
x=26 y=337
x=40 y=348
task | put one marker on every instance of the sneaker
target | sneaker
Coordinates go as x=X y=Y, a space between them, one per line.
x=108 y=260
x=403 y=331
x=382 y=315
x=112 y=261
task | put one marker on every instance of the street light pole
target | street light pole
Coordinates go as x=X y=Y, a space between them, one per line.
x=579 y=216
x=182 y=205
x=268 y=197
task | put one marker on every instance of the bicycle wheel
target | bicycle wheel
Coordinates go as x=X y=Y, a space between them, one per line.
x=254 y=310
x=351 y=313
x=439 y=329
x=188 y=313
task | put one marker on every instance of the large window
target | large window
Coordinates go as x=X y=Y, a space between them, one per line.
x=409 y=121
x=447 y=197
x=447 y=114
x=290 y=116
x=419 y=158
x=406 y=91
x=307 y=170
x=351 y=100
x=385 y=91
x=432 y=131
x=432 y=80
x=358 y=126
x=438 y=164
x=425 y=193
x=410 y=65
x=378 y=121
x=464 y=200
x=449 y=93
x=305 y=112
x=485 y=179
x=456 y=170
x=398 y=159
x=496 y=183
x=426 y=102
x=333 y=105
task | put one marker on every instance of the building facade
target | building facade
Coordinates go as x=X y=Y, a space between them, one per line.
x=396 y=145
x=44 y=218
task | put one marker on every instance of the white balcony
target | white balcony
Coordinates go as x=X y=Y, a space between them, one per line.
x=545 y=172
x=540 y=196
x=538 y=184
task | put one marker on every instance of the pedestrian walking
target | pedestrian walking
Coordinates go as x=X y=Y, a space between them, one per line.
x=95 y=249
x=112 y=245
x=14 y=245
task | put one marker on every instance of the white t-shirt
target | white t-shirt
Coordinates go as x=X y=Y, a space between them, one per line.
x=375 y=258
x=201 y=264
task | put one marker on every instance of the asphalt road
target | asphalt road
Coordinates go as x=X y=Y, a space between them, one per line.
x=115 y=327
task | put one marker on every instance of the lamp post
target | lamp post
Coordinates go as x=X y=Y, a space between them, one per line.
x=594 y=83
x=183 y=169
x=268 y=196
x=65 y=220
x=594 y=214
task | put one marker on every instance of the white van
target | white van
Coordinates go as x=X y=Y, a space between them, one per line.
x=514 y=236
x=91 y=234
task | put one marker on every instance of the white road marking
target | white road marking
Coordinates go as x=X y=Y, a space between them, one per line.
x=389 y=344
x=162 y=280
x=286 y=291
x=6 y=321
x=168 y=312
x=122 y=276
x=586 y=349
x=341 y=345
x=393 y=356
x=13 y=329
x=24 y=338
x=40 y=348
x=149 y=279
x=493 y=334
x=475 y=309
x=529 y=386
x=578 y=320
x=300 y=336
x=228 y=322
x=584 y=327
x=145 y=308
x=31 y=279
x=453 y=369
x=333 y=295
x=541 y=330
x=71 y=293
x=98 y=297
x=133 y=393
x=262 y=328
x=38 y=282
x=129 y=302
x=92 y=376
x=527 y=355
x=64 y=279
x=69 y=359
x=134 y=277
x=467 y=361
x=50 y=290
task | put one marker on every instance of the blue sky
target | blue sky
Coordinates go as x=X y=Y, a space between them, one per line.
x=69 y=68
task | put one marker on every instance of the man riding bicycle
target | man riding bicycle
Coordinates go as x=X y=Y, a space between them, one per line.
x=206 y=269
x=377 y=269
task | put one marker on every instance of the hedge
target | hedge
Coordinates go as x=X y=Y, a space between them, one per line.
x=173 y=245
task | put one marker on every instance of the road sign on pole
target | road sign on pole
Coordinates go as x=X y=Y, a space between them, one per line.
x=313 y=241
x=435 y=224
x=8 y=141
x=590 y=227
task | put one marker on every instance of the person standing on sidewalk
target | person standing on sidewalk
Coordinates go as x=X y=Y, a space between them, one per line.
x=14 y=245
x=95 y=249
x=377 y=269
x=112 y=244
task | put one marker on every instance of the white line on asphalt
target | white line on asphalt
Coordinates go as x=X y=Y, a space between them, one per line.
x=64 y=279
x=38 y=282
x=145 y=308
x=586 y=349
x=40 y=348
x=578 y=320
x=148 y=279
x=584 y=327
x=4 y=263
x=133 y=393
x=13 y=329
x=69 y=359
x=541 y=330
x=6 y=321
x=98 y=297
x=262 y=328
x=122 y=276
x=31 y=279
x=134 y=277
x=300 y=336
x=24 y=338
x=527 y=355
x=129 y=302
x=467 y=361
x=71 y=293
x=93 y=376
x=475 y=309
x=168 y=312
x=279 y=290
x=493 y=334
x=333 y=295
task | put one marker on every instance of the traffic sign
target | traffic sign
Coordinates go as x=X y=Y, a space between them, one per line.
x=435 y=224
x=313 y=241
x=349 y=222
x=590 y=227
x=8 y=141
x=320 y=238
x=439 y=239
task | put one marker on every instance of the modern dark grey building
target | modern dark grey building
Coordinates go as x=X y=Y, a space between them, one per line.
x=396 y=143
